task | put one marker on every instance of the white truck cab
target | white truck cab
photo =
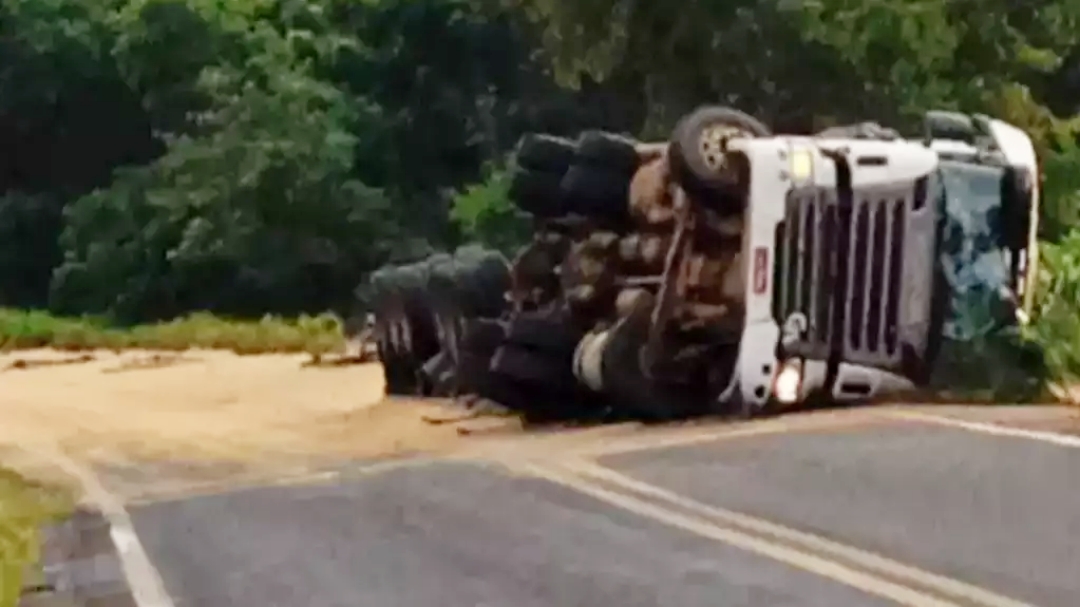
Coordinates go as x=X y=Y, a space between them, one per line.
x=859 y=254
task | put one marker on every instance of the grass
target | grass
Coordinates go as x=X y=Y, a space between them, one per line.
x=21 y=329
x=24 y=507
x=999 y=368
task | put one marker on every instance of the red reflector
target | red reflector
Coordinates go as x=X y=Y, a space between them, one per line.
x=761 y=270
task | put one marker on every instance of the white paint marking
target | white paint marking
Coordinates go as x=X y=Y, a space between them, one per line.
x=1062 y=440
x=142 y=577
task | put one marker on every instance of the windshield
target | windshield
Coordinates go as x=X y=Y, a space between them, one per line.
x=975 y=264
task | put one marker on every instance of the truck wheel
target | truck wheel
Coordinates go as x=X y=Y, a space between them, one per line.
x=475 y=377
x=420 y=321
x=597 y=192
x=438 y=374
x=545 y=153
x=696 y=154
x=626 y=382
x=533 y=368
x=400 y=368
x=385 y=353
x=542 y=387
x=483 y=277
x=538 y=193
x=608 y=151
x=389 y=361
x=482 y=336
x=549 y=333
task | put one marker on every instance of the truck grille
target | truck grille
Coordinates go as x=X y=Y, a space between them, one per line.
x=809 y=266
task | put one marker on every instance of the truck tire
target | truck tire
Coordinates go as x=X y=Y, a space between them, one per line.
x=608 y=151
x=538 y=193
x=475 y=377
x=597 y=193
x=439 y=376
x=628 y=386
x=533 y=368
x=545 y=153
x=444 y=291
x=402 y=368
x=482 y=336
x=420 y=310
x=483 y=276
x=447 y=304
x=696 y=154
x=542 y=387
x=407 y=307
x=550 y=333
x=386 y=355
x=470 y=284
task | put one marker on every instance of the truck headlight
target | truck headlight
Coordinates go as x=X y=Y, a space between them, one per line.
x=788 y=382
x=802 y=164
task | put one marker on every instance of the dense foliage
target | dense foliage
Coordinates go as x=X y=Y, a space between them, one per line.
x=257 y=156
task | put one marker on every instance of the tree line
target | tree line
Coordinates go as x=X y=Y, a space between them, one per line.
x=255 y=156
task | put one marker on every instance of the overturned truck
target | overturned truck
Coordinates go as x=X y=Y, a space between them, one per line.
x=726 y=271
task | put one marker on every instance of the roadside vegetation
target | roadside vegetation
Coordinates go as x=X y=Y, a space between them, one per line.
x=24 y=508
x=257 y=160
x=35 y=329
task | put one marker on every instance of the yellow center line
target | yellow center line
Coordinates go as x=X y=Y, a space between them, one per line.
x=808 y=423
x=805 y=561
x=805 y=541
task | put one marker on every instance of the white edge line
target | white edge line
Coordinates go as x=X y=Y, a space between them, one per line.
x=143 y=580
x=1062 y=440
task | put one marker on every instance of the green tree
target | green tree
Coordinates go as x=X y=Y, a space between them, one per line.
x=252 y=210
x=67 y=119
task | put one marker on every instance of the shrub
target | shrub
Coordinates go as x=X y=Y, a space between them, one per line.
x=1056 y=326
x=32 y=329
x=484 y=213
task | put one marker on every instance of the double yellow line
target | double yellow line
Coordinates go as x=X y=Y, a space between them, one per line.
x=859 y=569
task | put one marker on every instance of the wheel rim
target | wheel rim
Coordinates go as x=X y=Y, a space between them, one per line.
x=713 y=141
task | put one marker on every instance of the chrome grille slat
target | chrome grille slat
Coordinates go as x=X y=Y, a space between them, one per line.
x=807 y=241
x=895 y=276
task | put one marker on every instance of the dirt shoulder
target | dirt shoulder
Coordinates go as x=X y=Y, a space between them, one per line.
x=202 y=406
x=178 y=419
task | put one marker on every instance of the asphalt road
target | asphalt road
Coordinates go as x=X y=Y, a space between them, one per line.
x=986 y=520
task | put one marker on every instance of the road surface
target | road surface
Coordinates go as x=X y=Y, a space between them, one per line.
x=829 y=510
